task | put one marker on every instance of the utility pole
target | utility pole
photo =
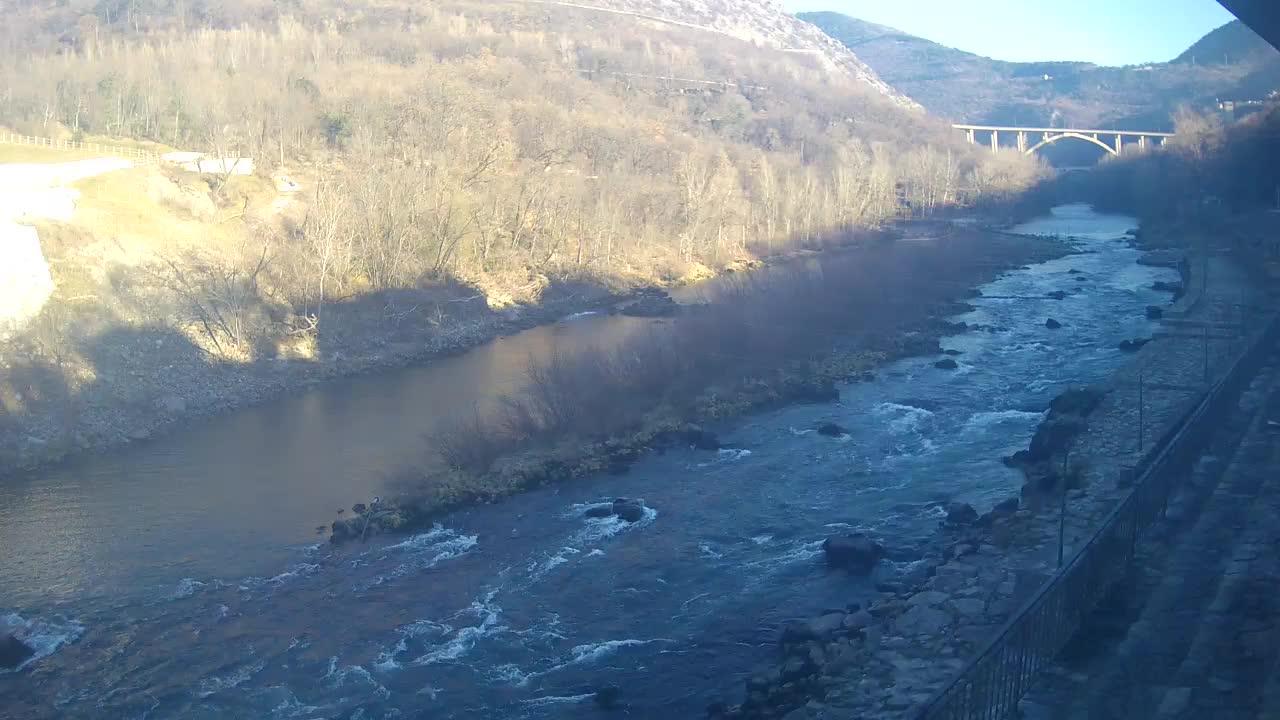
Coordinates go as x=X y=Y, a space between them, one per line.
x=1062 y=514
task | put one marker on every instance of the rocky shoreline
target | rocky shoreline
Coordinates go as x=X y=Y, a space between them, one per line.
x=894 y=654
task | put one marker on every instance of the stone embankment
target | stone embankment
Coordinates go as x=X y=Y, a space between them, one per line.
x=1193 y=634
x=883 y=660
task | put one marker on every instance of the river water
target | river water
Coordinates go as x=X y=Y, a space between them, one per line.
x=180 y=578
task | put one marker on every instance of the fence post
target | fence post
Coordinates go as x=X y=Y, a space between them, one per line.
x=1206 y=353
x=1141 y=406
x=1062 y=517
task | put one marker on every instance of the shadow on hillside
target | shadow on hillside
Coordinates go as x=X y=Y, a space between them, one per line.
x=107 y=388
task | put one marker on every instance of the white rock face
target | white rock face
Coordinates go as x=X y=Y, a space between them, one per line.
x=34 y=191
x=764 y=22
x=25 y=282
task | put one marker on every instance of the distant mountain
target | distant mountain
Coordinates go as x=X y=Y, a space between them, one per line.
x=1230 y=44
x=1230 y=63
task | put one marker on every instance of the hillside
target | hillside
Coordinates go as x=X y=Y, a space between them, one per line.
x=464 y=166
x=1230 y=44
x=1229 y=63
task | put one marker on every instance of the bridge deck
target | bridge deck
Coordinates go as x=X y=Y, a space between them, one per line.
x=1126 y=133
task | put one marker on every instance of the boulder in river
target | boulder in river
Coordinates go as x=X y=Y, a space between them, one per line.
x=1073 y=271
x=1077 y=401
x=952 y=352
x=1168 y=286
x=1054 y=435
x=959 y=513
x=1052 y=324
x=1018 y=459
x=608 y=697
x=1154 y=312
x=831 y=429
x=629 y=510
x=599 y=511
x=1132 y=345
x=946 y=364
x=824 y=626
x=13 y=652
x=1057 y=295
x=855 y=553
x=1003 y=509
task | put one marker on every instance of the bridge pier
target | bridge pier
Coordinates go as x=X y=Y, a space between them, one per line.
x=1119 y=144
x=995 y=140
x=1142 y=142
x=1022 y=141
x=972 y=140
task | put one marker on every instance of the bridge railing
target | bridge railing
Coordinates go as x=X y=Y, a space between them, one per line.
x=142 y=157
x=991 y=684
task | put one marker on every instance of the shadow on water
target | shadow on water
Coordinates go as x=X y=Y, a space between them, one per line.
x=198 y=596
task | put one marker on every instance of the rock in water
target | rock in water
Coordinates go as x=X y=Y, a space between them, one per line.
x=827 y=625
x=1154 y=312
x=1174 y=287
x=656 y=305
x=1053 y=436
x=608 y=697
x=13 y=652
x=1052 y=324
x=831 y=430
x=628 y=510
x=1132 y=345
x=959 y=513
x=946 y=364
x=855 y=553
x=1077 y=401
x=1057 y=295
x=599 y=511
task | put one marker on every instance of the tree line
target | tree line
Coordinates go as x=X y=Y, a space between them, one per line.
x=503 y=145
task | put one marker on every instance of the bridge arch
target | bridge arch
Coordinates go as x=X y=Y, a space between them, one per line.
x=1087 y=138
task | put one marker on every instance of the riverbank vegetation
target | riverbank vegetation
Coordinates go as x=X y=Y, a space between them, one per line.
x=463 y=166
x=1208 y=171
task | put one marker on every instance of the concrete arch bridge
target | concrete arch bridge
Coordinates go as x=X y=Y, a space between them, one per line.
x=1032 y=139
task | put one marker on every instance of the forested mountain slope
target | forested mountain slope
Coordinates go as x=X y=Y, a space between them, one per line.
x=1230 y=63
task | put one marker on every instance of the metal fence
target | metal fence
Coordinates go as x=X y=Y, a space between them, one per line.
x=991 y=684
x=142 y=157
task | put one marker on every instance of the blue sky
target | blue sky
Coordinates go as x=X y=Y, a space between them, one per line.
x=1107 y=32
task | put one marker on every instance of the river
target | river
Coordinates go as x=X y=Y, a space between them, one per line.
x=181 y=578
